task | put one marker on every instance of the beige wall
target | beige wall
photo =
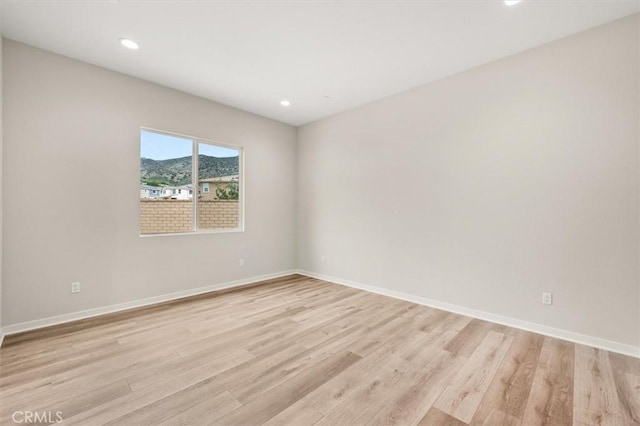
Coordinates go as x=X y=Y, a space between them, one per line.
x=486 y=188
x=1 y=174
x=75 y=127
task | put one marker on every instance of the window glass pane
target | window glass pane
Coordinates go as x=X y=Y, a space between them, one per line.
x=218 y=187
x=166 y=198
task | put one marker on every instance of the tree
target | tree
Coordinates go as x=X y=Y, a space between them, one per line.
x=229 y=192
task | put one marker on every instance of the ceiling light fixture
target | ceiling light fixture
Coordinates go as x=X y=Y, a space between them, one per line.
x=129 y=43
x=285 y=103
x=511 y=2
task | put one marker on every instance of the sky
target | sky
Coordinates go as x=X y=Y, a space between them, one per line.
x=158 y=146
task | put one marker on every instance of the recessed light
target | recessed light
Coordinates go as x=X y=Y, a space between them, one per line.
x=511 y=2
x=285 y=102
x=129 y=43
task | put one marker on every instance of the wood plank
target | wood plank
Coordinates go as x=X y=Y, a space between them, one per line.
x=631 y=391
x=335 y=391
x=296 y=414
x=395 y=324
x=509 y=391
x=420 y=348
x=279 y=398
x=66 y=384
x=469 y=338
x=72 y=405
x=496 y=417
x=179 y=406
x=204 y=412
x=420 y=391
x=435 y=417
x=192 y=378
x=551 y=397
x=362 y=405
x=595 y=399
x=216 y=362
x=269 y=378
x=626 y=374
x=461 y=398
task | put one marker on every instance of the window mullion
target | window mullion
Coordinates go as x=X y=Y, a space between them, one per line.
x=195 y=184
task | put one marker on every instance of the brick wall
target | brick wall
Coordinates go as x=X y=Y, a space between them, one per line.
x=218 y=214
x=167 y=216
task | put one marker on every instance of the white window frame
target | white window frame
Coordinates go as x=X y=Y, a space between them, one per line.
x=205 y=188
x=194 y=174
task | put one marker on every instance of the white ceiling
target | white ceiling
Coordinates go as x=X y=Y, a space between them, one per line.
x=252 y=54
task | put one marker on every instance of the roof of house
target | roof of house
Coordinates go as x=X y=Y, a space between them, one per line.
x=163 y=188
x=149 y=187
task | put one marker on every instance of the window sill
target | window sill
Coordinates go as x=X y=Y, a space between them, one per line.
x=203 y=232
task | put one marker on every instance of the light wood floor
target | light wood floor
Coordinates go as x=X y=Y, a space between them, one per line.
x=301 y=351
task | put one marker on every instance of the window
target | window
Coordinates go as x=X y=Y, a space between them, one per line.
x=171 y=167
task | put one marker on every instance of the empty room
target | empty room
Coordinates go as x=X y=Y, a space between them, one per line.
x=318 y=212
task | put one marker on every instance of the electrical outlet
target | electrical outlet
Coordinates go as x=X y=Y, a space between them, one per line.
x=323 y=259
x=547 y=298
x=75 y=287
x=241 y=262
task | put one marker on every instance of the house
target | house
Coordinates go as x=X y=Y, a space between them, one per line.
x=209 y=188
x=432 y=213
x=184 y=192
x=150 y=192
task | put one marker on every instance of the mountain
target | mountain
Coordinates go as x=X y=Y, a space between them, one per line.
x=177 y=171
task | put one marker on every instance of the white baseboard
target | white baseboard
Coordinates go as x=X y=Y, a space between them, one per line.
x=74 y=316
x=487 y=316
